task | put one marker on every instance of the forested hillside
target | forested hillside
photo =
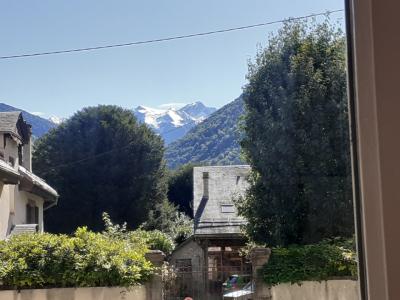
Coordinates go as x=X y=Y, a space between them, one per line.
x=214 y=141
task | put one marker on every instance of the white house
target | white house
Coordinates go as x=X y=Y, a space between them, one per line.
x=23 y=195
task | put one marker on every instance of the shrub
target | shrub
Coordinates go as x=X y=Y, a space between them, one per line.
x=155 y=240
x=83 y=260
x=167 y=218
x=322 y=261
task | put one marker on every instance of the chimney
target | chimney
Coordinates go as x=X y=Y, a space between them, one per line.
x=27 y=153
x=205 y=185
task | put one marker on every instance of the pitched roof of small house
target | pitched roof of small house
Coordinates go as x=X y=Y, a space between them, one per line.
x=36 y=185
x=225 y=183
x=12 y=122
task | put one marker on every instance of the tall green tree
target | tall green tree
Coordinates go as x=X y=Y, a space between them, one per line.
x=297 y=138
x=101 y=159
x=180 y=188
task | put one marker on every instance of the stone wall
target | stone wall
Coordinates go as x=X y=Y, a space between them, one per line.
x=325 y=290
x=152 y=290
x=96 y=293
x=307 y=290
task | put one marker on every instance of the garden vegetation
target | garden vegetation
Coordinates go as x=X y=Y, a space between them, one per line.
x=329 y=259
x=115 y=257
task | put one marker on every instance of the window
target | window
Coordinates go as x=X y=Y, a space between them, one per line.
x=20 y=154
x=32 y=214
x=227 y=208
x=11 y=161
x=184 y=265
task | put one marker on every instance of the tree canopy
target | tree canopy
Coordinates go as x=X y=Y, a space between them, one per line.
x=101 y=159
x=297 y=138
x=180 y=188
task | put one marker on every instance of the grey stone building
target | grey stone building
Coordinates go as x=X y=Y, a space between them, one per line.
x=212 y=254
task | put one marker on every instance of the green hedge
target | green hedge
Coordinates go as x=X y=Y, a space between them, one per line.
x=82 y=260
x=326 y=260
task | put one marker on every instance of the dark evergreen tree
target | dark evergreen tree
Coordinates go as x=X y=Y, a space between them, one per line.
x=297 y=138
x=180 y=188
x=101 y=160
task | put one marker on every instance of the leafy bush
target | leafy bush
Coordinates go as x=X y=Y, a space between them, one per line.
x=166 y=218
x=154 y=239
x=83 y=260
x=322 y=261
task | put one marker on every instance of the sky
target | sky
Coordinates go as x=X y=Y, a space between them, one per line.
x=211 y=69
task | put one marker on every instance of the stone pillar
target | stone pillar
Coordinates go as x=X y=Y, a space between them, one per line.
x=259 y=256
x=154 y=288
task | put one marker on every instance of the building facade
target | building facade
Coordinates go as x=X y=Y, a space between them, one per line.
x=23 y=196
x=211 y=255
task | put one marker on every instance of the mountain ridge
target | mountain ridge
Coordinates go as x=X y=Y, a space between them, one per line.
x=213 y=141
x=173 y=123
x=40 y=126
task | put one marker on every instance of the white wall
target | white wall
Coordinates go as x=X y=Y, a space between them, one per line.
x=11 y=149
x=13 y=208
x=314 y=290
x=13 y=201
x=98 y=293
x=4 y=209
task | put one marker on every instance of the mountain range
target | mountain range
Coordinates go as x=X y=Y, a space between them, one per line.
x=214 y=141
x=40 y=126
x=194 y=133
x=172 y=123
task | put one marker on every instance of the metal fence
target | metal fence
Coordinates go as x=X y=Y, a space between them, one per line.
x=208 y=283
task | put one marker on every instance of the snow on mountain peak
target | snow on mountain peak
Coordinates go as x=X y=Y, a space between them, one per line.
x=173 y=123
x=56 y=120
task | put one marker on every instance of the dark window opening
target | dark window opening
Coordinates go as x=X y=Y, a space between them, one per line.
x=184 y=265
x=32 y=214
x=20 y=154
x=11 y=160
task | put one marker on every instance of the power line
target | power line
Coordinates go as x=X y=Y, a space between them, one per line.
x=179 y=37
x=95 y=156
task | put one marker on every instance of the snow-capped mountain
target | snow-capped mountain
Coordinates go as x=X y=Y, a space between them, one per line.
x=56 y=120
x=173 y=123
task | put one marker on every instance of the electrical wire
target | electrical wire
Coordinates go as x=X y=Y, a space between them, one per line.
x=165 y=39
x=95 y=156
x=148 y=42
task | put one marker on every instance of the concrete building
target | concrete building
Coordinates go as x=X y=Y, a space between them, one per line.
x=23 y=195
x=205 y=260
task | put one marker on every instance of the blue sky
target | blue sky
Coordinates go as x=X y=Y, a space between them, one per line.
x=210 y=69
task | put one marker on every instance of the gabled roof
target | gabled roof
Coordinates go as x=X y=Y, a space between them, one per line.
x=8 y=174
x=36 y=185
x=13 y=123
x=224 y=185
